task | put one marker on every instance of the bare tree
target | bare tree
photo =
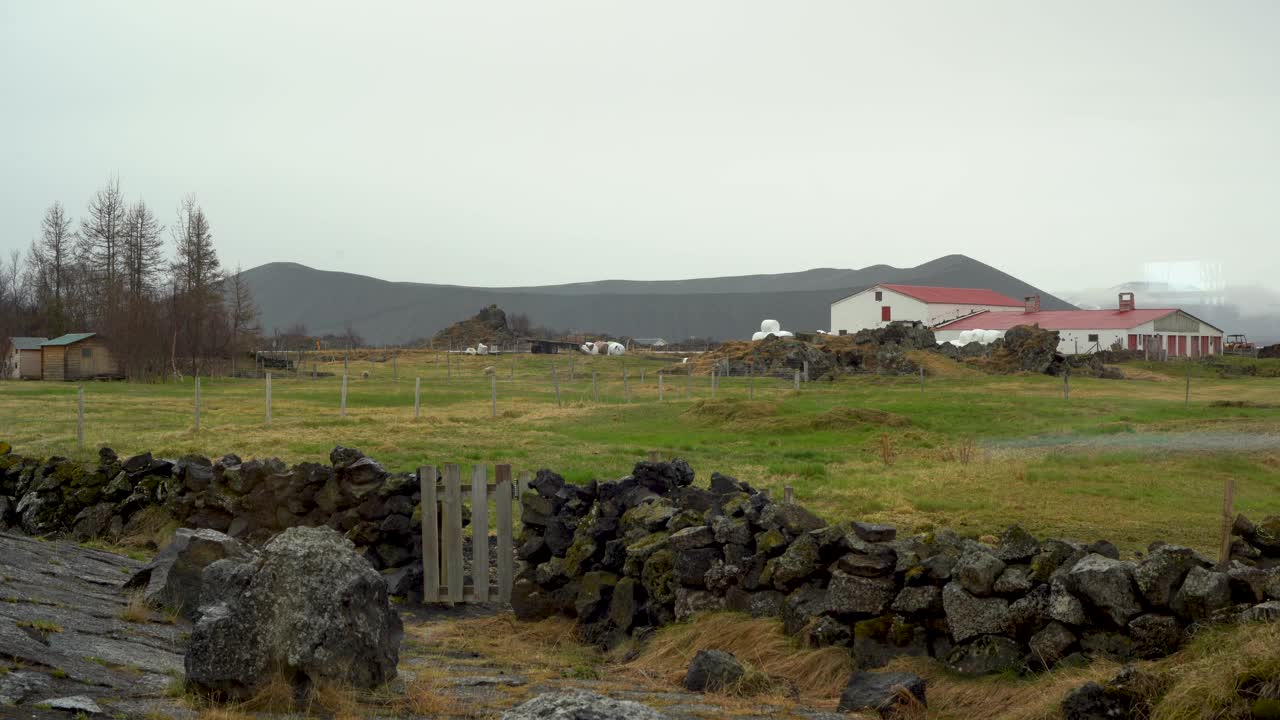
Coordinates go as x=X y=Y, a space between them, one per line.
x=242 y=313
x=143 y=252
x=52 y=263
x=102 y=233
x=197 y=278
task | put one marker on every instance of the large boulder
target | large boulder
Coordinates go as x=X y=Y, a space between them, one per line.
x=173 y=578
x=713 y=671
x=580 y=705
x=308 y=607
x=881 y=691
x=969 y=616
x=1159 y=575
x=1107 y=585
x=1202 y=593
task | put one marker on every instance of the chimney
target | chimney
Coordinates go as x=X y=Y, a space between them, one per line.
x=1126 y=301
x=1031 y=303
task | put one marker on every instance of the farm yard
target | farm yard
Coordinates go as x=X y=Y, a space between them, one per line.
x=1129 y=460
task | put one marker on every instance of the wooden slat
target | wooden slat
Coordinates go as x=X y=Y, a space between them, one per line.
x=526 y=477
x=480 y=532
x=453 y=531
x=430 y=537
x=502 y=502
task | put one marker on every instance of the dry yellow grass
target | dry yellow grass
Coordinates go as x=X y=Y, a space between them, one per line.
x=816 y=675
x=136 y=610
x=423 y=696
x=151 y=528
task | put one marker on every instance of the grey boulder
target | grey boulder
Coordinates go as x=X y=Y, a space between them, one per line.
x=173 y=578
x=881 y=691
x=308 y=607
x=1203 y=592
x=1107 y=585
x=968 y=616
x=712 y=671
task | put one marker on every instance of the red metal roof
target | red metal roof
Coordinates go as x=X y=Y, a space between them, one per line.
x=1058 y=319
x=957 y=296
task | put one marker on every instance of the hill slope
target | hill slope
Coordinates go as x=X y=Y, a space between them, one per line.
x=726 y=307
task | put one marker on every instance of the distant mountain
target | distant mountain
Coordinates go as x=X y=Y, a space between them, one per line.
x=723 y=307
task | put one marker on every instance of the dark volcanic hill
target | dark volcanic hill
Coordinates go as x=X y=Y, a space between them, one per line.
x=724 y=307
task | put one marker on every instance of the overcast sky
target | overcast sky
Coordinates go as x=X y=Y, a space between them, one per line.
x=520 y=143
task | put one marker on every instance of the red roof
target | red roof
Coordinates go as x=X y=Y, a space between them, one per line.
x=956 y=296
x=1058 y=319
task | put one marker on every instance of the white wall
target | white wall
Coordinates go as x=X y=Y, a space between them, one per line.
x=862 y=311
x=1073 y=341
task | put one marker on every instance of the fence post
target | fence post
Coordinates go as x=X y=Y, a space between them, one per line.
x=806 y=371
x=430 y=535
x=197 y=402
x=1187 y=401
x=626 y=385
x=688 y=381
x=480 y=533
x=453 y=531
x=342 y=410
x=751 y=384
x=573 y=369
x=502 y=506
x=417 y=397
x=1066 y=384
x=395 y=369
x=80 y=417
x=493 y=395
x=921 y=379
x=788 y=494
x=595 y=387
x=1228 y=520
x=268 y=398
x=555 y=380
x=660 y=388
x=713 y=383
x=314 y=371
x=513 y=367
x=796 y=381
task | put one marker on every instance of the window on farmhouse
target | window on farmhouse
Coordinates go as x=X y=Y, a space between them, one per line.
x=86 y=352
x=1093 y=337
x=879 y=296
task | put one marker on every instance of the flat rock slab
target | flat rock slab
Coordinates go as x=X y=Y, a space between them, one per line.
x=61 y=619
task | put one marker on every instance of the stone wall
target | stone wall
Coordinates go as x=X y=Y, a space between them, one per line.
x=251 y=500
x=627 y=556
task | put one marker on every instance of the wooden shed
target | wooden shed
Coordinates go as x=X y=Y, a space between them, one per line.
x=77 y=356
x=23 y=359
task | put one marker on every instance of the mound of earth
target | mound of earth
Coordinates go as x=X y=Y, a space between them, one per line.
x=489 y=326
x=1030 y=349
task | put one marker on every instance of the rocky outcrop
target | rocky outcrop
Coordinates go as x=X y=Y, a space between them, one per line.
x=629 y=555
x=307 y=607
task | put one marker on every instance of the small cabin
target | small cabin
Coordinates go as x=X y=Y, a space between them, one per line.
x=23 y=359
x=77 y=356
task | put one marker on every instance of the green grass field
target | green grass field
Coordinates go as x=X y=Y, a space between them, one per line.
x=1126 y=460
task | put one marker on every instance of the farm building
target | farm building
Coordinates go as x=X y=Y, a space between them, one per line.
x=23 y=359
x=76 y=356
x=879 y=305
x=1156 y=332
x=649 y=342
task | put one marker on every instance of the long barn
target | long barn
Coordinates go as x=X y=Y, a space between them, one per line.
x=77 y=356
x=1157 y=332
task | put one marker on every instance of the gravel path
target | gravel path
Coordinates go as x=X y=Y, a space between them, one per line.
x=1149 y=441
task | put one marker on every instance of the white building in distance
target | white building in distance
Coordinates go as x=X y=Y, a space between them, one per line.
x=882 y=304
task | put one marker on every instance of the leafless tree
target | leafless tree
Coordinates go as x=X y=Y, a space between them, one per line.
x=197 y=278
x=143 y=252
x=242 y=313
x=102 y=233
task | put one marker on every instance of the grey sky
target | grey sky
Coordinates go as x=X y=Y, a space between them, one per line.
x=514 y=143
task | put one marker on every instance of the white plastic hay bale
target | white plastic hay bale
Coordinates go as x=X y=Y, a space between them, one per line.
x=966 y=337
x=785 y=333
x=470 y=351
x=588 y=348
x=617 y=348
x=990 y=336
x=482 y=349
x=770 y=326
x=757 y=336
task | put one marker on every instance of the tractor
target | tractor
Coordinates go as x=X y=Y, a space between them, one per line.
x=1238 y=344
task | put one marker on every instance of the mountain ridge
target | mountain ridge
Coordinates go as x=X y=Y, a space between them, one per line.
x=729 y=307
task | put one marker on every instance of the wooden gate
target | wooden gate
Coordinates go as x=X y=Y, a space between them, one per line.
x=443 y=558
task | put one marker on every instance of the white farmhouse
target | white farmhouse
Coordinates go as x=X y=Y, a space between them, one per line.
x=882 y=304
x=1157 y=332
